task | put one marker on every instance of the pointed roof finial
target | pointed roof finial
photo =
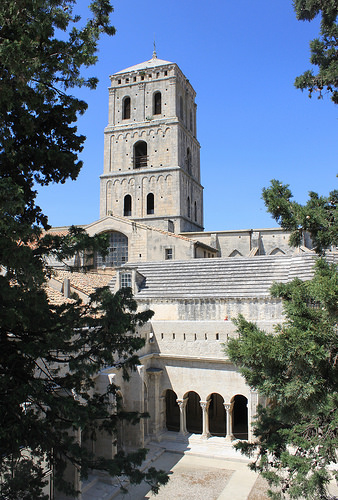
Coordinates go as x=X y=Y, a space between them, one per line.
x=154 y=52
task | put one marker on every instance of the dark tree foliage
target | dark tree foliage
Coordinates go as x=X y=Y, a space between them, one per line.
x=324 y=50
x=295 y=367
x=49 y=354
x=319 y=216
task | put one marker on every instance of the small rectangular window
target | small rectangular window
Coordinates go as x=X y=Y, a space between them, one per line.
x=142 y=77
x=168 y=254
x=134 y=78
x=217 y=336
x=127 y=80
x=119 y=82
x=126 y=280
x=166 y=73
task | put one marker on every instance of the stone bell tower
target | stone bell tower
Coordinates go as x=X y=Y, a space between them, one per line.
x=151 y=154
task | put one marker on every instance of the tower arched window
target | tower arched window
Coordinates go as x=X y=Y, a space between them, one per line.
x=188 y=160
x=126 y=108
x=181 y=107
x=195 y=206
x=150 y=204
x=127 y=205
x=140 y=154
x=157 y=104
x=188 y=207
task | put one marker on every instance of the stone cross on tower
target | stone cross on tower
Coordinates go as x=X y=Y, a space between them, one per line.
x=151 y=155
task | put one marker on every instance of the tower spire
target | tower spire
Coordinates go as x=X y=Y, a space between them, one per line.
x=154 y=52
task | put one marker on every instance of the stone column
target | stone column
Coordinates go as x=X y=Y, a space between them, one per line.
x=182 y=403
x=252 y=410
x=205 y=416
x=154 y=375
x=228 y=408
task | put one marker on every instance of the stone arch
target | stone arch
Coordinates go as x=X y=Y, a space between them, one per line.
x=172 y=411
x=188 y=161
x=157 y=103
x=126 y=107
x=160 y=182
x=193 y=413
x=240 y=416
x=109 y=191
x=119 y=137
x=235 y=253
x=127 y=205
x=217 y=415
x=277 y=251
x=140 y=154
x=150 y=204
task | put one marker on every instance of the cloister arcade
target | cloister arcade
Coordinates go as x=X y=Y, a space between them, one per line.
x=212 y=417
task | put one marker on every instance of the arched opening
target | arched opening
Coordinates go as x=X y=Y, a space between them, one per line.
x=140 y=154
x=194 y=413
x=157 y=103
x=120 y=426
x=181 y=107
x=240 y=417
x=277 y=251
x=188 y=207
x=235 y=253
x=117 y=251
x=188 y=161
x=217 y=415
x=172 y=411
x=146 y=420
x=126 y=108
x=195 y=205
x=127 y=206
x=150 y=204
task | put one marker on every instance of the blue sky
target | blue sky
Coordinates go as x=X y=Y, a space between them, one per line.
x=253 y=125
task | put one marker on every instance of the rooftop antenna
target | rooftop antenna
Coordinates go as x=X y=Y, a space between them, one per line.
x=154 y=52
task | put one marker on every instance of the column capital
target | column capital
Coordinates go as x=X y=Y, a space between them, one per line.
x=205 y=404
x=228 y=406
x=182 y=403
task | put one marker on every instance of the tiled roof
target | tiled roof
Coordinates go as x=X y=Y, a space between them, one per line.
x=84 y=282
x=55 y=297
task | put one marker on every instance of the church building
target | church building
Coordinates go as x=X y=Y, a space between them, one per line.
x=196 y=282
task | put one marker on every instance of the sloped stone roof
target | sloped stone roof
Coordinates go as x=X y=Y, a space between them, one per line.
x=152 y=63
x=221 y=277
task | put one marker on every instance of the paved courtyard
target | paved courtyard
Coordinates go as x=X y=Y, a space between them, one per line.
x=200 y=478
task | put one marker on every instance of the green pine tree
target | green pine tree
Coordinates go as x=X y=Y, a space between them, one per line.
x=324 y=50
x=295 y=368
x=48 y=353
